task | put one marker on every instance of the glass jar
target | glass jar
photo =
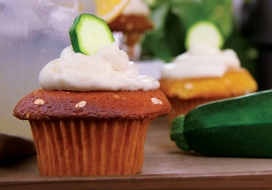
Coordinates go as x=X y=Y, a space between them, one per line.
x=32 y=33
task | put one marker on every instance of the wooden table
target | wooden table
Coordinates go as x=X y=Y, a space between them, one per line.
x=165 y=167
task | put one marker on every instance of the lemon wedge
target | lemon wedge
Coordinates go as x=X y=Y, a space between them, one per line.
x=108 y=10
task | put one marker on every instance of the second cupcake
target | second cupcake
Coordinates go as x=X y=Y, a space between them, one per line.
x=203 y=74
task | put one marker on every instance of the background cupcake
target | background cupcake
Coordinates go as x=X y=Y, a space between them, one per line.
x=129 y=24
x=201 y=75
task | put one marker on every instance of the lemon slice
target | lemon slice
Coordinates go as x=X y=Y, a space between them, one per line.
x=108 y=10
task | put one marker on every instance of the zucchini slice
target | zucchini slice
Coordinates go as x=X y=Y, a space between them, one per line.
x=89 y=33
x=204 y=32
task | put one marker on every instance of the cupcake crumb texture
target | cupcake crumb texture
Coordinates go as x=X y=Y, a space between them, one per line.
x=39 y=102
x=156 y=101
x=77 y=105
x=188 y=86
x=116 y=96
x=27 y=115
x=80 y=104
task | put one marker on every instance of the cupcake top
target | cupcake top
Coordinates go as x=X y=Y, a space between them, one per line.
x=51 y=104
x=99 y=65
x=201 y=61
x=108 y=70
x=94 y=62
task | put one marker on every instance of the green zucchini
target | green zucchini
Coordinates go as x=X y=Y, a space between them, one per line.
x=204 y=32
x=235 y=127
x=89 y=33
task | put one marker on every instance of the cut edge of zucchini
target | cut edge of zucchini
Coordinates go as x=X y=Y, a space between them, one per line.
x=204 y=32
x=89 y=33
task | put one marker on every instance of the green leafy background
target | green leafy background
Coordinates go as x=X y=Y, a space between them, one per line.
x=172 y=18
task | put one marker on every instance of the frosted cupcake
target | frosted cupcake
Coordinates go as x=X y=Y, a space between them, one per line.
x=201 y=75
x=132 y=22
x=90 y=116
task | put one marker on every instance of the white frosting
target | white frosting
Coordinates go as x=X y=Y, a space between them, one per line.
x=201 y=61
x=136 y=7
x=108 y=70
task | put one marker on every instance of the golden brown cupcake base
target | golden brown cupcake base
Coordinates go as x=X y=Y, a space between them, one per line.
x=129 y=23
x=44 y=104
x=182 y=107
x=186 y=94
x=233 y=83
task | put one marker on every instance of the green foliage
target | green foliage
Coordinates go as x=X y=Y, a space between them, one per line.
x=245 y=50
x=167 y=39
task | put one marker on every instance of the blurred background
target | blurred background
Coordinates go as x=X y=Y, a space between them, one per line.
x=34 y=32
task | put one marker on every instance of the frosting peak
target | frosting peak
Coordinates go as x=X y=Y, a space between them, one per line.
x=201 y=49
x=201 y=61
x=109 y=69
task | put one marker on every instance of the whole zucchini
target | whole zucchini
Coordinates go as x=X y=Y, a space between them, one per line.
x=236 y=127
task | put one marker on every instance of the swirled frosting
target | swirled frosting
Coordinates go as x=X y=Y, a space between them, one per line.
x=136 y=7
x=201 y=61
x=108 y=70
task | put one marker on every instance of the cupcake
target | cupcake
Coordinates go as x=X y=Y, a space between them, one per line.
x=91 y=114
x=203 y=74
x=132 y=22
